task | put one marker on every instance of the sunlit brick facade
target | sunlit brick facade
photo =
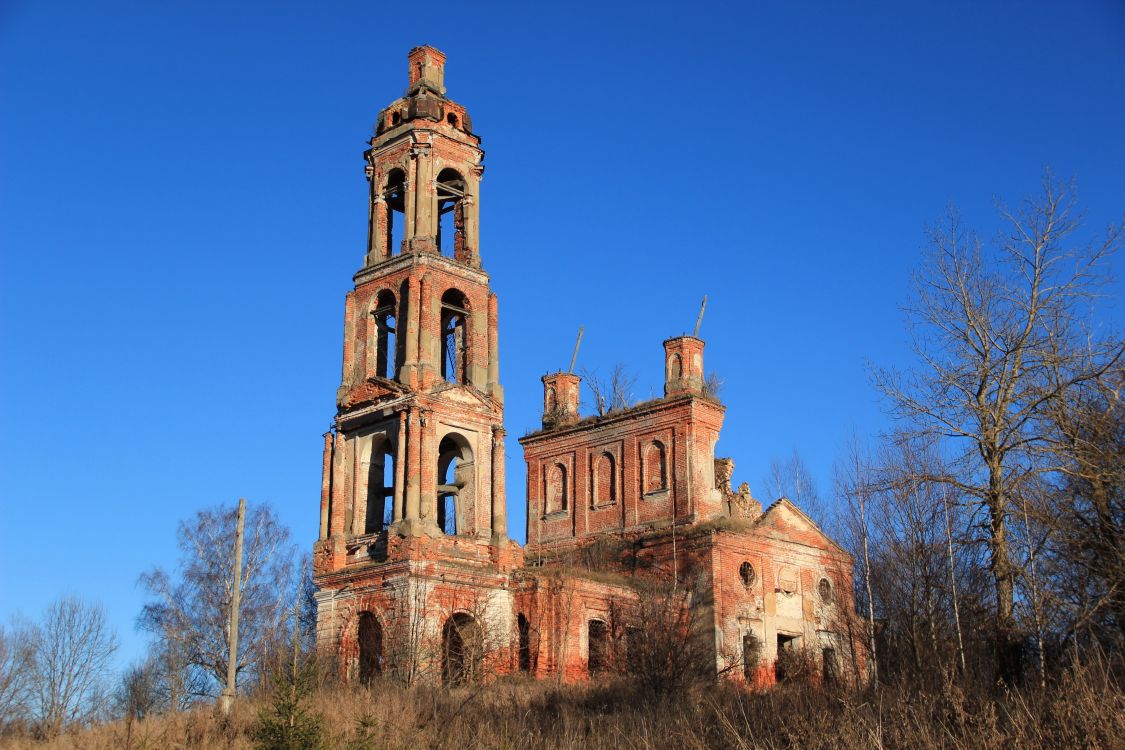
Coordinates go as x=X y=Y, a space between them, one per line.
x=417 y=577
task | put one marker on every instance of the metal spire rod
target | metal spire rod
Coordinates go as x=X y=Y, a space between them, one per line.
x=577 y=344
x=699 y=320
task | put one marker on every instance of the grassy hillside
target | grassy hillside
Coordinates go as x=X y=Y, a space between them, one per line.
x=1084 y=710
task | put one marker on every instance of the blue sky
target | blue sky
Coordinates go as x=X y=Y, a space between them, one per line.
x=182 y=206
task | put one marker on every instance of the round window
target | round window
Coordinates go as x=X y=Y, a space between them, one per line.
x=824 y=588
x=746 y=573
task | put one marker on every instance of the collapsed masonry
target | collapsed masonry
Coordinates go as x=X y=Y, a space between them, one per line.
x=415 y=571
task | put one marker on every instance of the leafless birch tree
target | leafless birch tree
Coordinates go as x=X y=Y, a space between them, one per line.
x=792 y=478
x=190 y=608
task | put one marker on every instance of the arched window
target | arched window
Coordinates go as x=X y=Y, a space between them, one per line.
x=524 y=628
x=394 y=201
x=380 y=487
x=451 y=118
x=370 y=637
x=597 y=633
x=605 y=479
x=655 y=467
x=455 y=491
x=824 y=589
x=384 y=344
x=675 y=367
x=454 y=337
x=462 y=650
x=451 y=213
x=556 y=488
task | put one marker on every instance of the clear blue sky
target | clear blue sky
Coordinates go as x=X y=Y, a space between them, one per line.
x=182 y=205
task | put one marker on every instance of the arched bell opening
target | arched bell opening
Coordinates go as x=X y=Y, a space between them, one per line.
x=394 y=202
x=455 y=337
x=456 y=486
x=451 y=189
x=385 y=328
x=379 y=512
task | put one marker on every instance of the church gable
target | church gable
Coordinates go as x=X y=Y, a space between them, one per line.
x=784 y=521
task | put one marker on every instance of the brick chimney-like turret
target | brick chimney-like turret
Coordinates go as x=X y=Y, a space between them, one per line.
x=683 y=365
x=427 y=67
x=560 y=399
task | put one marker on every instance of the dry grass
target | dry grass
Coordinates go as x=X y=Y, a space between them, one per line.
x=1083 y=711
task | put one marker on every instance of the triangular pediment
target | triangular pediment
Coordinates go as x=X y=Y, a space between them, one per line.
x=464 y=396
x=784 y=521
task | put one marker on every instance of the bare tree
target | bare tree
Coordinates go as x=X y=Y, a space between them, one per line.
x=15 y=662
x=713 y=385
x=1086 y=557
x=614 y=394
x=276 y=661
x=411 y=644
x=138 y=695
x=999 y=337
x=662 y=638
x=791 y=478
x=70 y=656
x=189 y=612
x=853 y=484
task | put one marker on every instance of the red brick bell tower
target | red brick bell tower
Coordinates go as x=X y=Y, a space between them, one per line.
x=414 y=462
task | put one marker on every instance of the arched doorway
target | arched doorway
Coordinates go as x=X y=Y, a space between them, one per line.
x=462 y=650
x=370 y=637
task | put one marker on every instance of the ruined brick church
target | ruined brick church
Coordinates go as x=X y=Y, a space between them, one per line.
x=416 y=574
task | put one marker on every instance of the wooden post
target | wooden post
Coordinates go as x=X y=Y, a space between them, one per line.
x=231 y=689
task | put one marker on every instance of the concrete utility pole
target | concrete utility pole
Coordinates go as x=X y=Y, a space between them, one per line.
x=226 y=702
x=296 y=631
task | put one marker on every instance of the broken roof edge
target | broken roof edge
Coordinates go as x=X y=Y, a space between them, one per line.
x=619 y=414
